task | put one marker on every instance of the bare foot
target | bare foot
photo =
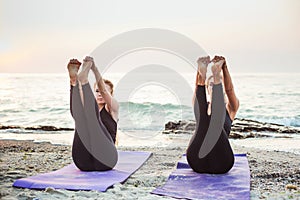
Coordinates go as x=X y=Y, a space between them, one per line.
x=73 y=67
x=86 y=66
x=202 y=69
x=93 y=68
x=219 y=58
x=216 y=71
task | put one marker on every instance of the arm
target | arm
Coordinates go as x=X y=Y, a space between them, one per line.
x=196 y=84
x=233 y=102
x=111 y=102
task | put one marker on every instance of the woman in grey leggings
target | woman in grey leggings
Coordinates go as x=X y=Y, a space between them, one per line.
x=209 y=150
x=95 y=119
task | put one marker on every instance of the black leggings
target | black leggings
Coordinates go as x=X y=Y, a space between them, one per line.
x=93 y=148
x=215 y=156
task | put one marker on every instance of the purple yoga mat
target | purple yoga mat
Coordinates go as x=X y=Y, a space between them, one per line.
x=71 y=178
x=185 y=183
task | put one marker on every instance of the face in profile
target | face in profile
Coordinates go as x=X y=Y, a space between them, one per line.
x=99 y=98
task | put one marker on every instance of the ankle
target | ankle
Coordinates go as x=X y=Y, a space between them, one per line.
x=84 y=81
x=73 y=83
x=217 y=78
x=202 y=83
x=201 y=79
x=83 y=78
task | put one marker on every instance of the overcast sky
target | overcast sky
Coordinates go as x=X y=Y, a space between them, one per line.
x=255 y=36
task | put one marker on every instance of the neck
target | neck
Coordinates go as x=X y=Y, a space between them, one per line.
x=100 y=106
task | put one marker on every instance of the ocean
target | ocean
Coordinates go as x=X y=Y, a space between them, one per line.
x=29 y=100
x=43 y=99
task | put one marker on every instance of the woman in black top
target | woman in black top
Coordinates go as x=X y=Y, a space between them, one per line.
x=95 y=119
x=209 y=150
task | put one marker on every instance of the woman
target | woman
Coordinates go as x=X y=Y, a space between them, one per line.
x=95 y=119
x=209 y=150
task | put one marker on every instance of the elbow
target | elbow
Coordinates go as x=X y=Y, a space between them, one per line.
x=236 y=106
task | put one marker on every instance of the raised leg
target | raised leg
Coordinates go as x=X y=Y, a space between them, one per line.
x=216 y=148
x=93 y=148
x=80 y=153
x=200 y=110
x=73 y=67
x=199 y=99
x=233 y=102
x=209 y=150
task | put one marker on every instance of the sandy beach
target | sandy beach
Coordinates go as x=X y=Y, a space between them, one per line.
x=274 y=174
x=148 y=60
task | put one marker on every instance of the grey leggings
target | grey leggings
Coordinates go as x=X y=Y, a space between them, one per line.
x=93 y=148
x=209 y=150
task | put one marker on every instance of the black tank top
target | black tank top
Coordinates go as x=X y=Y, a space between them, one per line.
x=109 y=123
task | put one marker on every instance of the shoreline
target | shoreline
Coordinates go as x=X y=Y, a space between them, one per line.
x=271 y=171
x=281 y=142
